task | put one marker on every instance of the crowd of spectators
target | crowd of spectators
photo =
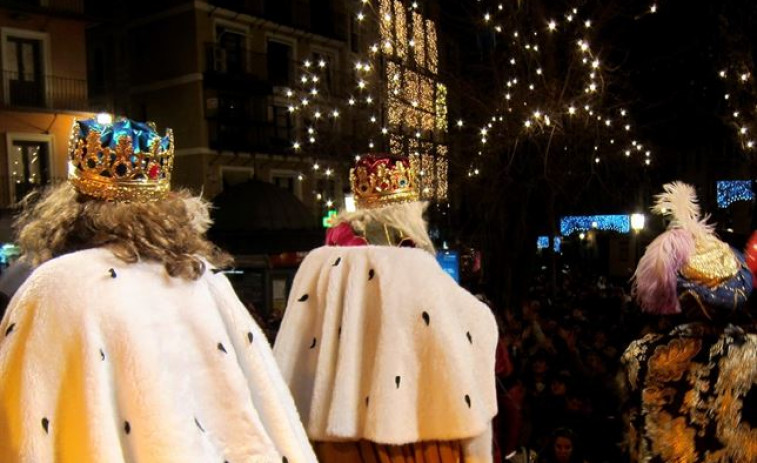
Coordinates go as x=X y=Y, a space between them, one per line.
x=558 y=371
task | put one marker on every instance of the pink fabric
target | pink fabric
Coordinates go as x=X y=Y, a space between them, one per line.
x=656 y=276
x=342 y=235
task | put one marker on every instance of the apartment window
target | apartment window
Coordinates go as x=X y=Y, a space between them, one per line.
x=288 y=180
x=23 y=70
x=282 y=123
x=354 y=34
x=279 y=63
x=230 y=50
x=328 y=74
x=28 y=165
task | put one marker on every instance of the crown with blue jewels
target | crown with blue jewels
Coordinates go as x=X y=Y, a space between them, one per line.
x=123 y=161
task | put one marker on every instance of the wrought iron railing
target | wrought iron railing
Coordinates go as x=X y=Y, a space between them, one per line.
x=48 y=92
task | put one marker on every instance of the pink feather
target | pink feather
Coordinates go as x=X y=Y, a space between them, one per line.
x=655 y=279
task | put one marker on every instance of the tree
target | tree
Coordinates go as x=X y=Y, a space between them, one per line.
x=542 y=125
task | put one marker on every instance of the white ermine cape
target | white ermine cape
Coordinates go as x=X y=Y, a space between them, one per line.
x=379 y=343
x=108 y=362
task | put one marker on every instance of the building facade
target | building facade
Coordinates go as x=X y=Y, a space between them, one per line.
x=218 y=73
x=44 y=87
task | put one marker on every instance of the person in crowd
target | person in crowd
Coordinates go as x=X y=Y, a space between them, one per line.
x=387 y=357
x=561 y=448
x=126 y=344
x=691 y=391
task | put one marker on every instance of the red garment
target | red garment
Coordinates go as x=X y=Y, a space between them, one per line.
x=342 y=235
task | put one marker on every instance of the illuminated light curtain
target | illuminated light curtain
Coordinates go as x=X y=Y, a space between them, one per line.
x=419 y=38
x=431 y=51
x=386 y=26
x=427 y=181
x=400 y=26
x=441 y=178
x=441 y=107
x=396 y=145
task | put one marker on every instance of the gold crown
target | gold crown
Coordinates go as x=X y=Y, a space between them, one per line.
x=123 y=161
x=380 y=180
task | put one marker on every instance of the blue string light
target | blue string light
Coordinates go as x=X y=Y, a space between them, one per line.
x=542 y=242
x=730 y=191
x=575 y=223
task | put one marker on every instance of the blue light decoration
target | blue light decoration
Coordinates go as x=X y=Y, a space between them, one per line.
x=542 y=242
x=730 y=191
x=576 y=223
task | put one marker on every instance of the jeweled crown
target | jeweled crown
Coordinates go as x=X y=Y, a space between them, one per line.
x=380 y=180
x=122 y=161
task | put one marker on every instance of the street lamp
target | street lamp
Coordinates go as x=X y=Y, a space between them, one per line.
x=637 y=222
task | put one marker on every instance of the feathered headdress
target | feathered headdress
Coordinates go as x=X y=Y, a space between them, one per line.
x=688 y=259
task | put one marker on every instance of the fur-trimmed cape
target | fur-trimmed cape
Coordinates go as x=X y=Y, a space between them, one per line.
x=379 y=343
x=104 y=361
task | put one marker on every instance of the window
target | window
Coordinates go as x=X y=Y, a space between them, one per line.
x=288 y=180
x=328 y=73
x=354 y=34
x=29 y=165
x=282 y=124
x=279 y=63
x=23 y=71
x=230 y=53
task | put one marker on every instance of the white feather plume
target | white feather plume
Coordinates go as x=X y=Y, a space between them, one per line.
x=679 y=201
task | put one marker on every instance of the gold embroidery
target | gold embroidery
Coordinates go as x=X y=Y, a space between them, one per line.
x=669 y=362
x=671 y=438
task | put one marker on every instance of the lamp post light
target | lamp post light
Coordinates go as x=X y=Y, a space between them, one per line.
x=637 y=225
x=637 y=222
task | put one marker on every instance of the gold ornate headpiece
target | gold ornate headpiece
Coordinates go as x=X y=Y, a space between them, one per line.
x=124 y=161
x=382 y=180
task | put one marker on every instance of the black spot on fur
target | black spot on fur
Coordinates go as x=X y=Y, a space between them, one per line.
x=303 y=298
x=127 y=427
x=45 y=425
x=249 y=336
x=199 y=425
x=426 y=318
x=336 y=262
x=102 y=355
x=112 y=273
x=371 y=274
x=313 y=344
x=367 y=400
x=339 y=332
x=397 y=380
x=284 y=460
x=467 y=400
x=470 y=338
x=221 y=348
x=10 y=329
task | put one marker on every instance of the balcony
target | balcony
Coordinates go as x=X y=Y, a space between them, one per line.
x=243 y=135
x=236 y=66
x=44 y=92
